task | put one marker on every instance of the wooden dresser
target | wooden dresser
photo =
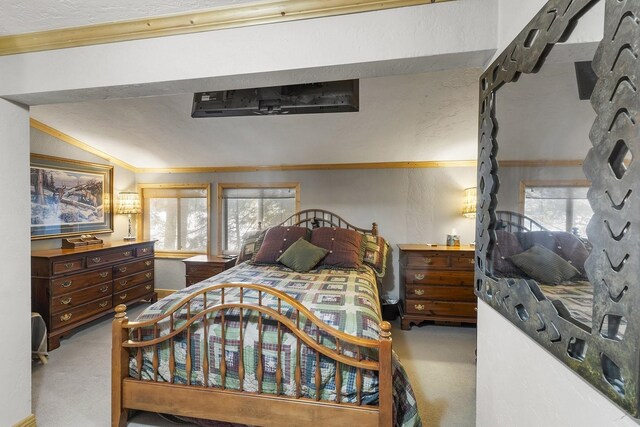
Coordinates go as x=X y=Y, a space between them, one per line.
x=70 y=287
x=436 y=283
x=201 y=267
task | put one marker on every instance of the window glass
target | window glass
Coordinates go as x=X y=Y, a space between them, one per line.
x=560 y=208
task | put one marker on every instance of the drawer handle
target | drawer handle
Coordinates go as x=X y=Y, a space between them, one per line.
x=96 y=259
x=145 y=250
x=419 y=276
x=66 y=317
x=419 y=291
x=104 y=274
x=104 y=289
x=427 y=260
x=127 y=253
x=147 y=263
x=66 y=300
x=148 y=275
x=68 y=265
x=123 y=282
x=104 y=304
x=67 y=283
x=418 y=307
x=122 y=269
x=472 y=261
x=148 y=287
x=123 y=296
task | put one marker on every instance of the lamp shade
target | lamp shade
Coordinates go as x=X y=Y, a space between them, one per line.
x=129 y=203
x=469 y=207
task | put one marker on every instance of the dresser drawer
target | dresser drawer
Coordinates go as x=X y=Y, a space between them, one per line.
x=132 y=293
x=438 y=277
x=109 y=257
x=76 y=314
x=443 y=293
x=464 y=262
x=68 y=266
x=74 y=299
x=123 y=283
x=144 y=251
x=76 y=282
x=441 y=308
x=132 y=267
x=427 y=259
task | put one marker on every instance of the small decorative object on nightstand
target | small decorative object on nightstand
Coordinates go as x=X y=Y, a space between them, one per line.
x=201 y=267
x=436 y=283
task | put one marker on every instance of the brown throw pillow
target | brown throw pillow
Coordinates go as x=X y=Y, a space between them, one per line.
x=276 y=241
x=344 y=246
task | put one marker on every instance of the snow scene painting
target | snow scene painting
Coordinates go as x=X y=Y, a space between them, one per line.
x=68 y=200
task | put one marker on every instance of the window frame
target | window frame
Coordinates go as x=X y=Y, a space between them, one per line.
x=259 y=185
x=551 y=183
x=178 y=186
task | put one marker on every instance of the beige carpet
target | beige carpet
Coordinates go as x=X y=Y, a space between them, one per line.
x=73 y=389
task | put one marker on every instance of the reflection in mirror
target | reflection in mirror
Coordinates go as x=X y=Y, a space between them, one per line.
x=543 y=210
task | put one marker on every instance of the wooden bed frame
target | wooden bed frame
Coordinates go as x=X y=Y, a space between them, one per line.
x=219 y=403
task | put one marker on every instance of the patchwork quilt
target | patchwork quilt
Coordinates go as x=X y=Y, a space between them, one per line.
x=344 y=299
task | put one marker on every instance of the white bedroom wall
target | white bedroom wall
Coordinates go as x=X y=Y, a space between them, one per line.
x=15 y=293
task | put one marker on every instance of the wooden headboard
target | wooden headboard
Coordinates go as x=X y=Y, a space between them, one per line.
x=314 y=218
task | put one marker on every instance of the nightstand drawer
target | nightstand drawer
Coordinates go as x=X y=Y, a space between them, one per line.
x=443 y=293
x=426 y=259
x=204 y=270
x=442 y=308
x=439 y=277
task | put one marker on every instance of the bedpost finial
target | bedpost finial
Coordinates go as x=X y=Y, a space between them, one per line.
x=374 y=229
x=121 y=311
x=385 y=330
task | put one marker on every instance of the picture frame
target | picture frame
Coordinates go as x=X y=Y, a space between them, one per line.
x=69 y=197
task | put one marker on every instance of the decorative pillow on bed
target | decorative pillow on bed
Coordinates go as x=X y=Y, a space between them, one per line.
x=302 y=256
x=344 y=246
x=544 y=266
x=375 y=253
x=276 y=241
x=507 y=245
x=250 y=245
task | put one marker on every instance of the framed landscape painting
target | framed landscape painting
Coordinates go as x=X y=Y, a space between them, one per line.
x=69 y=197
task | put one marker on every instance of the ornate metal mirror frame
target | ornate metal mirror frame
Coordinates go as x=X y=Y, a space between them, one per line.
x=607 y=356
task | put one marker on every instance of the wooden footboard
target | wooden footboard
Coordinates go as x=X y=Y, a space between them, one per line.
x=238 y=406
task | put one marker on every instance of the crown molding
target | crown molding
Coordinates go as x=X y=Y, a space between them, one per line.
x=264 y=12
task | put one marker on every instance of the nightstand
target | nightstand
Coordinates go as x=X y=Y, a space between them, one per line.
x=436 y=283
x=201 y=267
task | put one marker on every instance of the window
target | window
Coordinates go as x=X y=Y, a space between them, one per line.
x=177 y=216
x=558 y=205
x=247 y=207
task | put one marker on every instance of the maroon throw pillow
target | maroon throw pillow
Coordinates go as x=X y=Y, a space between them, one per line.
x=344 y=246
x=276 y=241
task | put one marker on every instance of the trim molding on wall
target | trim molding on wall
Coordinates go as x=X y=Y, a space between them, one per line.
x=264 y=12
x=30 y=421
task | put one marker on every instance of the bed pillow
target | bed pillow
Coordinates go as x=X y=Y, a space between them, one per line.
x=302 y=256
x=250 y=245
x=344 y=246
x=544 y=266
x=375 y=253
x=507 y=245
x=276 y=241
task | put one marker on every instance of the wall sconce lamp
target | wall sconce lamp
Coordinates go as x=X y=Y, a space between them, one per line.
x=470 y=200
x=129 y=203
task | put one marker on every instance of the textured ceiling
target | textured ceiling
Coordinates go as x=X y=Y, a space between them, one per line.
x=20 y=16
x=417 y=117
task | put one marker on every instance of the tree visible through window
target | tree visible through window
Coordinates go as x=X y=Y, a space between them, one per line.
x=177 y=217
x=559 y=207
x=247 y=209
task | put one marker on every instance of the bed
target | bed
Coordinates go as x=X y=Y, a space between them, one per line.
x=268 y=328
x=552 y=262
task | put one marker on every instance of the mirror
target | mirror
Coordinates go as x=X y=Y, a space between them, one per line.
x=535 y=163
x=543 y=210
